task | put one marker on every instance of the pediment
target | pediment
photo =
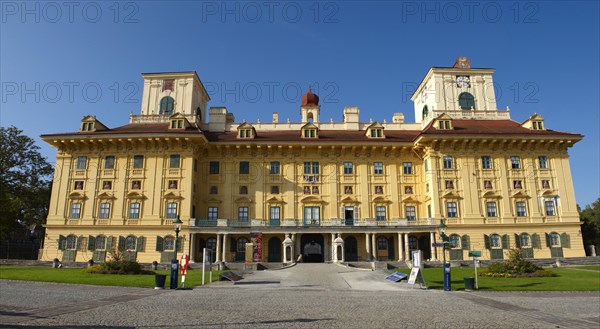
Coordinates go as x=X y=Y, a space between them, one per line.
x=380 y=199
x=349 y=199
x=275 y=200
x=177 y=116
x=376 y=124
x=134 y=195
x=106 y=195
x=309 y=125
x=410 y=199
x=77 y=196
x=491 y=195
x=312 y=199
x=172 y=195
x=451 y=195
x=444 y=116
x=213 y=200
x=243 y=199
x=245 y=125
x=548 y=193
x=521 y=195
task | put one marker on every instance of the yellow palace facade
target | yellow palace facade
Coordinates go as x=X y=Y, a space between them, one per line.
x=331 y=191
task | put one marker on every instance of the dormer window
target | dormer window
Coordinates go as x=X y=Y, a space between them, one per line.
x=538 y=125
x=444 y=125
x=87 y=126
x=310 y=131
x=246 y=131
x=375 y=131
x=177 y=124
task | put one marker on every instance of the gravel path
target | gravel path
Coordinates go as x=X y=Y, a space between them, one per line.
x=304 y=296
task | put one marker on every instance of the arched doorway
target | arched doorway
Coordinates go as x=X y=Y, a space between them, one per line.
x=312 y=248
x=351 y=249
x=274 y=250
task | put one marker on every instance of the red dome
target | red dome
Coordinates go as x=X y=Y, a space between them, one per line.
x=310 y=99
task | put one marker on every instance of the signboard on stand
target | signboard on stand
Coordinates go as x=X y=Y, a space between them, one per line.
x=416 y=274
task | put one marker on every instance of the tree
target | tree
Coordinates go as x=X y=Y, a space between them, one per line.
x=590 y=229
x=25 y=179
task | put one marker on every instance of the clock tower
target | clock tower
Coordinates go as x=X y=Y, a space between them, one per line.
x=459 y=91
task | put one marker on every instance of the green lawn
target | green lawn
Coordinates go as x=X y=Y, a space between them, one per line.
x=590 y=267
x=79 y=276
x=568 y=279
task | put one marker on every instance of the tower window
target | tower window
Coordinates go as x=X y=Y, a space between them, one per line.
x=167 y=104
x=425 y=111
x=466 y=101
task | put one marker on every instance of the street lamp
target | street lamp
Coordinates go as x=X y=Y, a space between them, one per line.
x=174 y=262
x=442 y=231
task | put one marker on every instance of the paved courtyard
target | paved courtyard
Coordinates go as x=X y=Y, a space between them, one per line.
x=304 y=296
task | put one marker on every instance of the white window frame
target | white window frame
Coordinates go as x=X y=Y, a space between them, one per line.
x=521 y=208
x=213 y=213
x=104 y=210
x=134 y=210
x=494 y=208
x=378 y=168
x=452 y=205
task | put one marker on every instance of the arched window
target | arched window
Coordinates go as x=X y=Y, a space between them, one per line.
x=466 y=101
x=169 y=243
x=130 y=242
x=100 y=242
x=241 y=244
x=199 y=114
x=382 y=243
x=167 y=104
x=71 y=242
x=455 y=240
x=425 y=111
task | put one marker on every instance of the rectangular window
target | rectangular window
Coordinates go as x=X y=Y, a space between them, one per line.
x=311 y=168
x=81 y=162
x=312 y=215
x=138 y=161
x=487 y=184
x=213 y=213
x=378 y=189
x=274 y=189
x=550 y=208
x=378 y=168
x=104 y=210
x=75 y=210
x=515 y=162
x=448 y=162
x=275 y=168
x=136 y=185
x=348 y=168
x=491 y=209
x=408 y=168
x=315 y=190
x=545 y=183
x=521 y=209
x=174 y=161
x=451 y=209
x=411 y=213
x=517 y=184
x=243 y=214
x=213 y=168
x=449 y=185
x=347 y=189
x=107 y=185
x=172 y=184
x=408 y=190
x=134 y=210
x=380 y=213
x=171 y=210
x=78 y=185
x=274 y=213
x=109 y=162
x=244 y=167
x=486 y=162
x=543 y=161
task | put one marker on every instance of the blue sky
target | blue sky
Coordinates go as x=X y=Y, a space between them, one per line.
x=62 y=60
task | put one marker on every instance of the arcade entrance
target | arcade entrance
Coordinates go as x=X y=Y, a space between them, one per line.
x=312 y=248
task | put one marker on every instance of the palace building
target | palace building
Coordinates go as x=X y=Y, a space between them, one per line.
x=353 y=190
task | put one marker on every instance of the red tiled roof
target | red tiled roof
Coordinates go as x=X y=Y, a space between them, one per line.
x=460 y=128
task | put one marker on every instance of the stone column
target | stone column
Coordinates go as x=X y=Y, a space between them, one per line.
x=431 y=239
x=400 y=248
x=333 y=251
x=374 y=245
x=224 y=247
x=218 y=252
x=406 y=247
x=368 y=246
x=192 y=247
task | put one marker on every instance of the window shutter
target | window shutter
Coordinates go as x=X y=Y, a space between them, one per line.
x=535 y=241
x=79 y=241
x=356 y=213
x=91 y=243
x=139 y=244
x=548 y=241
x=505 y=242
x=109 y=242
x=61 y=242
x=486 y=240
x=517 y=241
x=342 y=212
x=121 y=244
x=159 y=243
x=180 y=244
x=565 y=240
x=465 y=242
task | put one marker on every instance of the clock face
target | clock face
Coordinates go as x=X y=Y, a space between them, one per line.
x=424 y=95
x=463 y=81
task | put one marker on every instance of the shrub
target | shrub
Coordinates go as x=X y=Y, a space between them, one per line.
x=515 y=267
x=117 y=265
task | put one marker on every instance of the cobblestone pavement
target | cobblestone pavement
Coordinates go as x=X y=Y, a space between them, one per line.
x=304 y=296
